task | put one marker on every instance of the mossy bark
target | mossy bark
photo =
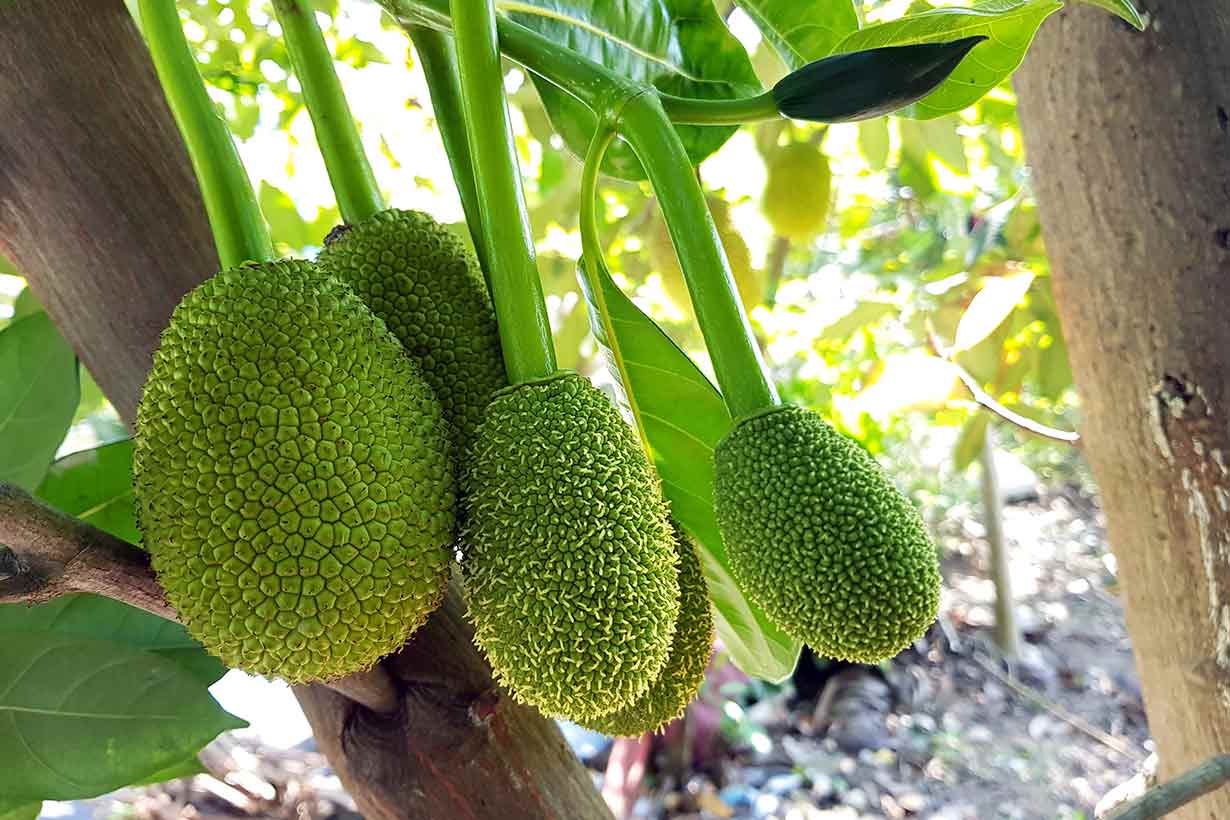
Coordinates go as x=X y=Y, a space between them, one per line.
x=99 y=210
x=1129 y=136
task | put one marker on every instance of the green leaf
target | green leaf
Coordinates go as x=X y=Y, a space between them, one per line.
x=79 y=717
x=992 y=304
x=971 y=441
x=863 y=314
x=681 y=47
x=95 y=486
x=25 y=304
x=287 y=225
x=28 y=811
x=96 y=617
x=801 y=32
x=938 y=137
x=1009 y=25
x=38 y=371
x=683 y=418
x=1122 y=9
x=185 y=768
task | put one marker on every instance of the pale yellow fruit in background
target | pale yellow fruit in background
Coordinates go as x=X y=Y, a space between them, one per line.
x=797 y=191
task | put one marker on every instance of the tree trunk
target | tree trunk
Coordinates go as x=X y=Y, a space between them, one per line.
x=99 y=210
x=1129 y=134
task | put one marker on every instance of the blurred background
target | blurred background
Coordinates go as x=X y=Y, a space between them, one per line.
x=896 y=276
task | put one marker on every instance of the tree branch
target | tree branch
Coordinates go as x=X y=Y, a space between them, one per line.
x=45 y=554
x=1167 y=797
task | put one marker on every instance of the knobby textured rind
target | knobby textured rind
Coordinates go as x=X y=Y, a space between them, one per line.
x=293 y=475
x=680 y=680
x=423 y=282
x=568 y=559
x=821 y=539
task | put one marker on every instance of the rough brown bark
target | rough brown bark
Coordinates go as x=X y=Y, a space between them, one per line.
x=1130 y=138
x=99 y=210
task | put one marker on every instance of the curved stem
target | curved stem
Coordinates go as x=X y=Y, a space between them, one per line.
x=435 y=52
x=720 y=112
x=350 y=174
x=737 y=362
x=593 y=265
x=525 y=330
x=234 y=217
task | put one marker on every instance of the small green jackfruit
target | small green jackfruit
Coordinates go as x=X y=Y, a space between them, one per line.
x=681 y=678
x=748 y=280
x=293 y=475
x=821 y=539
x=797 y=190
x=568 y=558
x=422 y=281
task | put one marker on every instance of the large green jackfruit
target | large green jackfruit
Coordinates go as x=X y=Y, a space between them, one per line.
x=680 y=680
x=293 y=475
x=821 y=539
x=423 y=282
x=568 y=557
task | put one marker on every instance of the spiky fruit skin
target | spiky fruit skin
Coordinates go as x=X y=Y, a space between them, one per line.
x=427 y=287
x=681 y=678
x=293 y=475
x=568 y=558
x=748 y=280
x=796 y=191
x=821 y=539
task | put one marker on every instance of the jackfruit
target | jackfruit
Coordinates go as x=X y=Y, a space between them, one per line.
x=568 y=560
x=797 y=190
x=293 y=475
x=427 y=287
x=749 y=281
x=821 y=539
x=681 y=678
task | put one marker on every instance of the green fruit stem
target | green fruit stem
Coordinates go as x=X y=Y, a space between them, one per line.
x=435 y=52
x=525 y=330
x=643 y=122
x=720 y=112
x=737 y=362
x=350 y=174
x=239 y=230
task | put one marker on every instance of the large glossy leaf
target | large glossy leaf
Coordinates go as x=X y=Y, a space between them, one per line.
x=13 y=810
x=81 y=717
x=95 y=486
x=1008 y=25
x=92 y=616
x=683 y=418
x=38 y=397
x=802 y=31
x=681 y=47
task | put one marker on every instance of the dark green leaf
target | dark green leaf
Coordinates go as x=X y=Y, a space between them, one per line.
x=681 y=47
x=79 y=717
x=971 y=441
x=28 y=811
x=859 y=85
x=184 y=768
x=1122 y=9
x=95 y=617
x=95 y=486
x=802 y=31
x=684 y=417
x=39 y=393
x=1008 y=26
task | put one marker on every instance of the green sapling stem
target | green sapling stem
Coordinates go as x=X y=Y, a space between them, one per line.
x=525 y=330
x=350 y=174
x=720 y=112
x=239 y=229
x=435 y=52
x=737 y=362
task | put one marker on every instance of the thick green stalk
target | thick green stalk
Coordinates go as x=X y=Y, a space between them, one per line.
x=720 y=112
x=435 y=52
x=350 y=174
x=525 y=330
x=737 y=362
x=234 y=217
